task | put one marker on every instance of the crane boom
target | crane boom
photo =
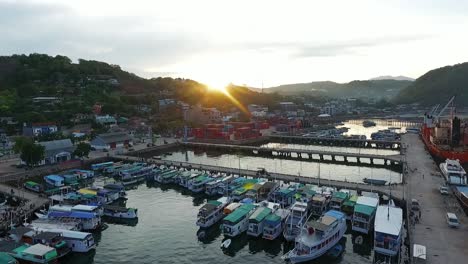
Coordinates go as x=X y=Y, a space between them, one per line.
x=445 y=107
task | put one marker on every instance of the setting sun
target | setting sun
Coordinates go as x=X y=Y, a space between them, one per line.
x=217 y=87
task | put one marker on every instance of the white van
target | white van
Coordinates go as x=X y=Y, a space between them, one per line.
x=452 y=220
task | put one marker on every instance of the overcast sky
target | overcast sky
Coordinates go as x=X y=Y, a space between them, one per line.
x=245 y=42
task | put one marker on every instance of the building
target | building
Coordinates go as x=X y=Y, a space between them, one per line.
x=288 y=106
x=57 y=151
x=111 y=140
x=257 y=108
x=201 y=115
x=37 y=129
x=106 y=120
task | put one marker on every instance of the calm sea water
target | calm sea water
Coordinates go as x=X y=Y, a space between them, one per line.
x=166 y=230
x=166 y=233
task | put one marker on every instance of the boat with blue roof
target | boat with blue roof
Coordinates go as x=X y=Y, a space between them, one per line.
x=54 y=180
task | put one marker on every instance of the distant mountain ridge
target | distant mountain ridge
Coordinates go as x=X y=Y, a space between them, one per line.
x=389 y=77
x=437 y=86
x=377 y=89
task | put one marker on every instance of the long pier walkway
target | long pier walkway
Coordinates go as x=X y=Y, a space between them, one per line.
x=397 y=189
x=303 y=153
x=443 y=244
x=362 y=143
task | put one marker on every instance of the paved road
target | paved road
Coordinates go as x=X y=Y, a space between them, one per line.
x=443 y=244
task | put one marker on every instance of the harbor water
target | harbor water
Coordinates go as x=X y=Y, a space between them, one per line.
x=166 y=233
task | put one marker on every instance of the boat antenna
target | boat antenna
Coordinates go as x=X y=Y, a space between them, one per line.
x=319 y=175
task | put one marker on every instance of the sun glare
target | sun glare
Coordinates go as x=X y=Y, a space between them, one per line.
x=217 y=87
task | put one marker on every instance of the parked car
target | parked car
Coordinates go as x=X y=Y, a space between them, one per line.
x=444 y=190
x=452 y=220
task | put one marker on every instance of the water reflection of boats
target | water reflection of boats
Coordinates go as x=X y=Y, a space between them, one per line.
x=362 y=244
x=208 y=235
x=237 y=244
x=121 y=221
x=272 y=247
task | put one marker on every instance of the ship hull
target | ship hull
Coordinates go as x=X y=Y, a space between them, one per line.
x=462 y=156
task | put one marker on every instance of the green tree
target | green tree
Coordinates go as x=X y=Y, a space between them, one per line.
x=19 y=143
x=32 y=153
x=82 y=150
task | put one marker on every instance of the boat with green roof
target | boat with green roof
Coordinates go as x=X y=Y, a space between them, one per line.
x=284 y=196
x=364 y=214
x=169 y=173
x=257 y=221
x=197 y=184
x=274 y=224
x=338 y=199
x=37 y=253
x=33 y=186
x=241 y=192
x=7 y=259
x=348 y=206
x=237 y=222
x=185 y=177
x=211 y=212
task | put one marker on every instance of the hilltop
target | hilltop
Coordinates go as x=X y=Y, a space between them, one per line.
x=389 y=77
x=78 y=86
x=437 y=86
x=377 y=89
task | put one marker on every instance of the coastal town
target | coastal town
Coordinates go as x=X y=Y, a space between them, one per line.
x=53 y=207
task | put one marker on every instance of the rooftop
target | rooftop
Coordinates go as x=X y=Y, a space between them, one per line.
x=388 y=220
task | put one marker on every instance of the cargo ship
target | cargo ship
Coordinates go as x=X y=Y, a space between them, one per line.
x=446 y=138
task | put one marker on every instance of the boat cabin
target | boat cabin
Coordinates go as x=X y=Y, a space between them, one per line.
x=33 y=186
x=338 y=200
x=238 y=221
x=319 y=205
x=284 y=196
x=387 y=230
x=54 y=180
x=37 y=253
x=257 y=221
x=364 y=213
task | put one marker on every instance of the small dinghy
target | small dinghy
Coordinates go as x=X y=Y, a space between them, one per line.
x=226 y=243
x=41 y=216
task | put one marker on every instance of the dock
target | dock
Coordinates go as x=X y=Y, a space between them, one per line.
x=396 y=189
x=338 y=142
x=443 y=244
x=311 y=154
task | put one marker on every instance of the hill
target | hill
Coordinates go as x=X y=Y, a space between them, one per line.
x=389 y=77
x=80 y=85
x=377 y=89
x=437 y=86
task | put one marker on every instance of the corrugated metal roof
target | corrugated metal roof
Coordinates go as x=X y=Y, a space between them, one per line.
x=364 y=209
x=239 y=213
x=260 y=214
x=114 y=137
x=56 y=144
x=388 y=220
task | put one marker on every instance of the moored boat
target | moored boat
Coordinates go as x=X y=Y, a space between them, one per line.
x=317 y=237
x=453 y=172
x=297 y=217
x=33 y=186
x=374 y=181
x=120 y=212
x=237 y=222
x=387 y=229
x=364 y=214
x=211 y=212
x=197 y=184
x=274 y=224
x=257 y=221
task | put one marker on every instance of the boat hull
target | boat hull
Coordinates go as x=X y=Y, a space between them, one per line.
x=462 y=156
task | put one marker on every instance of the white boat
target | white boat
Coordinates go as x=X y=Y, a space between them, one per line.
x=364 y=213
x=387 y=230
x=185 y=178
x=317 y=237
x=257 y=221
x=274 y=224
x=197 y=184
x=211 y=188
x=76 y=241
x=237 y=222
x=120 y=212
x=88 y=221
x=211 y=212
x=231 y=208
x=453 y=172
x=295 y=220
x=165 y=174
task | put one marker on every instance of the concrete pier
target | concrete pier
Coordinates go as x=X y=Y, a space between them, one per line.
x=345 y=157
x=443 y=244
x=337 y=142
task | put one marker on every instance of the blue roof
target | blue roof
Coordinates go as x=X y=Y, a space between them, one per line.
x=335 y=214
x=54 y=177
x=73 y=214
